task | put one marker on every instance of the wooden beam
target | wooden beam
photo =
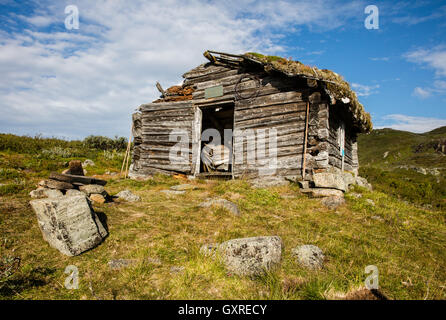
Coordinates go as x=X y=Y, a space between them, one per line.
x=305 y=140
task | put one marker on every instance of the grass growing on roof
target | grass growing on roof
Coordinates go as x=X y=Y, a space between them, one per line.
x=335 y=83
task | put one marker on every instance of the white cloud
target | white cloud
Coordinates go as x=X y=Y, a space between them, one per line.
x=410 y=123
x=422 y=93
x=89 y=81
x=438 y=87
x=364 y=90
x=38 y=21
x=380 y=59
x=434 y=58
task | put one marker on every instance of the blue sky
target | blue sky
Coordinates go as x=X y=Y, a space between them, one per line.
x=72 y=83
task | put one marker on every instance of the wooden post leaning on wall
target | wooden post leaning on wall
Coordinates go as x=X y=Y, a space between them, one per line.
x=305 y=141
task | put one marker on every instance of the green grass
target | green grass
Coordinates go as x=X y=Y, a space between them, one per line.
x=404 y=149
x=404 y=240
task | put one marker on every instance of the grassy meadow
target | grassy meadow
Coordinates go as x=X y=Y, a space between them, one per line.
x=404 y=238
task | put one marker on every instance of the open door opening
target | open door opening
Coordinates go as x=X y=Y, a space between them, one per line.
x=216 y=147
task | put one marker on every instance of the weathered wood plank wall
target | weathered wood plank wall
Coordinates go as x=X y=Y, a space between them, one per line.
x=278 y=107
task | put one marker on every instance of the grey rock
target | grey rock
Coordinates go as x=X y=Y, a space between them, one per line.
x=370 y=201
x=324 y=192
x=434 y=172
x=127 y=195
x=362 y=182
x=330 y=180
x=74 y=192
x=333 y=202
x=385 y=154
x=349 y=179
x=46 y=193
x=90 y=189
x=421 y=170
x=172 y=192
x=98 y=198
x=251 y=256
x=87 y=163
x=182 y=187
x=69 y=224
x=119 y=264
x=309 y=256
x=228 y=205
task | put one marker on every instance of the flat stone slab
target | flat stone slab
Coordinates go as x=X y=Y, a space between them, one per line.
x=228 y=205
x=330 y=180
x=58 y=185
x=46 y=193
x=251 y=256
x=69 y=224
x=182 y=187
x=172 y=192
x=322 y=192
x=90 y=189
x=76 y=179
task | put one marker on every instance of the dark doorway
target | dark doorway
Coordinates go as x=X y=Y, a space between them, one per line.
x=216 y=140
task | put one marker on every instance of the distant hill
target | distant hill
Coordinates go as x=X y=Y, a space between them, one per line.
x=406 y=164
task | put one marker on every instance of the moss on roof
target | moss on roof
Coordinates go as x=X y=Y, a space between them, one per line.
x=335 y=84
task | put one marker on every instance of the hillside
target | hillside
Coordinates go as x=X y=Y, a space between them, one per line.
x=163 y=235
x=407 y=165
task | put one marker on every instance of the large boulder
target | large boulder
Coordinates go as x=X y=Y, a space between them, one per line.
x=330 y=180
x=69 y=224
x=251 y=256
x=309 y=256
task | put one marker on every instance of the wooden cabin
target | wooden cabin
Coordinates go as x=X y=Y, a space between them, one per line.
x=307 y=118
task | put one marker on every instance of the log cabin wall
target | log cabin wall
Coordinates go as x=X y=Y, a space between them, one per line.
x=278 y=105
x=338 y=116
x=153 y=126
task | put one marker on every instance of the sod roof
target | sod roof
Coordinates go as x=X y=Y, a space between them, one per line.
x=335 y=85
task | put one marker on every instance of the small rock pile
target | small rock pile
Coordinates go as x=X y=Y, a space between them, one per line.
x=71 y=183
x=331 y=186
